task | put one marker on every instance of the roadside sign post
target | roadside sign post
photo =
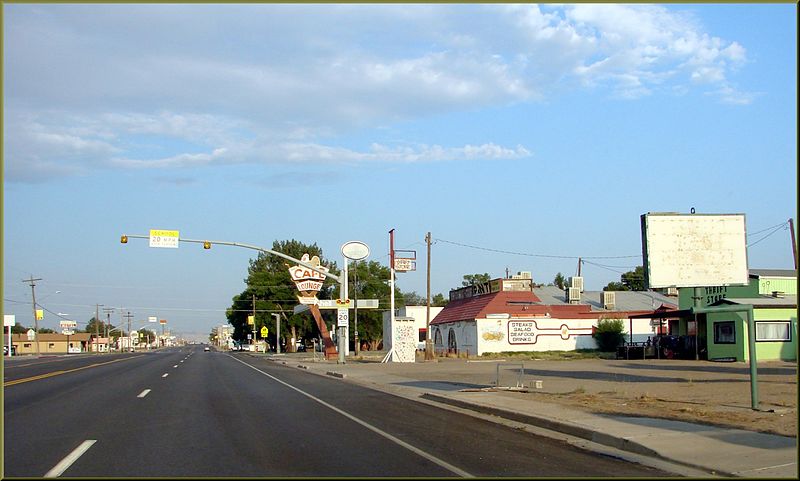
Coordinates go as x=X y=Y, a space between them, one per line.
x=68 y=329
x=8 y=321
x=264 y=334
x=700 y=250
x=356 y=251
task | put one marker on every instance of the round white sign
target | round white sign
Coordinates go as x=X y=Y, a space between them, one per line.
x=355 y=250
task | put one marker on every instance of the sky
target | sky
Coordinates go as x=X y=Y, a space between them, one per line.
x=522 y=137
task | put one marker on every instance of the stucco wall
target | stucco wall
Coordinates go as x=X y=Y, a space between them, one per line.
x=529 y=334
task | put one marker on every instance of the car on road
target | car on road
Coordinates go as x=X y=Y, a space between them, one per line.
x=206 y=348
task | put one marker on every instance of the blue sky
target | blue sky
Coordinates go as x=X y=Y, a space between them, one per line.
x=536 y=134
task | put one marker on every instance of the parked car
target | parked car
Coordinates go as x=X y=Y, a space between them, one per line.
x=301 y=348
x=206 y=348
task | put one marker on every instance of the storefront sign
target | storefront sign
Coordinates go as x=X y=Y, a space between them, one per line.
x=308 y=281
x=489 y=287
x=522 y=332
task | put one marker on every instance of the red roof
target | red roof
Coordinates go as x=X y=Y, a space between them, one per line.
x=516 y=304
x=509 y=302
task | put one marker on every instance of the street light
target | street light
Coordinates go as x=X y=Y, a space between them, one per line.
x=277 y=317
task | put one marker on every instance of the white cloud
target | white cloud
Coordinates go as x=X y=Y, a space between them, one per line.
x=139 y=86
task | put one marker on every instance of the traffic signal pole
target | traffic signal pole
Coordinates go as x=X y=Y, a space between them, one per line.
x=342 y=280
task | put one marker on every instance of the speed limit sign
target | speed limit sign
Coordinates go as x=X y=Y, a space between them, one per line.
x=343 y=317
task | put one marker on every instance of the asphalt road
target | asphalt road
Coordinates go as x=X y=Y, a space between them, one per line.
x=183 y=412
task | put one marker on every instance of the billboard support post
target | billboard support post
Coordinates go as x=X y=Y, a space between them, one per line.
x=700 y=250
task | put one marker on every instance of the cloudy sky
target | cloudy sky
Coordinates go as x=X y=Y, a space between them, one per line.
x=521 y=136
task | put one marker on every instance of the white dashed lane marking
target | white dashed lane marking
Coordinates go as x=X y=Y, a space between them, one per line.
x=65 y=463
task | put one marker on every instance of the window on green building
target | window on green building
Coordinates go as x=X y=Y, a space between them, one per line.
x=773 y=331
x=725 y=332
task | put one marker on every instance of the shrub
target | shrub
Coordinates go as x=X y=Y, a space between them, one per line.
x=609 y=334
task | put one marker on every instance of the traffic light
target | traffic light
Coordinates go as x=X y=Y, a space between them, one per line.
x=124 y=239
x=206 y=245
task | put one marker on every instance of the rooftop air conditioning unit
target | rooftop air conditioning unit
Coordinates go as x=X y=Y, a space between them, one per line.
x=672 y=291
x=523 y=275
x=573 y=295
x=576 y=282
x=609 y=300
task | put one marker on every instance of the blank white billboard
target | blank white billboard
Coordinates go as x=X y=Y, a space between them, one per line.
x=694 y=250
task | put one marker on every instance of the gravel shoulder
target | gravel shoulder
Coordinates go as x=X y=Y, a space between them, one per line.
x=694 y=391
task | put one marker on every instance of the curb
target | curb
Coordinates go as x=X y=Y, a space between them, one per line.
x=566 y=428
x=616 y=442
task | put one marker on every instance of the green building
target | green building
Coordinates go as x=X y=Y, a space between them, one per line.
x=772 y=293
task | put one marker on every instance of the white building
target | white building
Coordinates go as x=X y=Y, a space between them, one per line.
x=418 y=313
x=510 y=315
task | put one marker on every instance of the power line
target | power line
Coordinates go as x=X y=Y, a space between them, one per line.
x=776 y=229
x=768 y=228
x=536 y=255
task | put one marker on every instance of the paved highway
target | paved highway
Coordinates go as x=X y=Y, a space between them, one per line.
x=183 y=412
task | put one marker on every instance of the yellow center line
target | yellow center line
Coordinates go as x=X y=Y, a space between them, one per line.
x=58 y=373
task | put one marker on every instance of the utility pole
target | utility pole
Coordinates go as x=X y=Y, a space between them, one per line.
x=428 y=343
x=391 y=288
x=580 y=261
x=97 y=327
x=794 y=245
x=129 y=316
x=108 y=311
x=32 y=281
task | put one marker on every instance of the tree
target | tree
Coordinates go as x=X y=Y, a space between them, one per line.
x=146 y=336
x=94 y=323
x=439 y=300
x=609 y=334
x=269 y=283
x=634 y=280
x=629 y=281
x=413 y=299
x=18 y=329
x=560 y=281
x=615 y=286
x=474 y=279
x=370 y=280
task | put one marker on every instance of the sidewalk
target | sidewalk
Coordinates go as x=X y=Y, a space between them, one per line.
x=705 y=450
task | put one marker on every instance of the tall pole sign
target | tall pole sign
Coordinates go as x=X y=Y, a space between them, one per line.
x=700 y=250
x=309 y=283
x=351 y=251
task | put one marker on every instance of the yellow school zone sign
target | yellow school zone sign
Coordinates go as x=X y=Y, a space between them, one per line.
x=164 y=238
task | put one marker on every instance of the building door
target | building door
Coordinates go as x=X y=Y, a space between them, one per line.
x=451 y=342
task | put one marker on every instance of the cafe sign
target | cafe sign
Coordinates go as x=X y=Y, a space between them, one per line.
x=308 y=281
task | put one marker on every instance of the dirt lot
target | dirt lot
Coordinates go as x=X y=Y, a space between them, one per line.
x=696 y=391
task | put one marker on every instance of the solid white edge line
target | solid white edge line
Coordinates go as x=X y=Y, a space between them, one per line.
x=144 y=393
x=70 y=459
x=388 y=436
